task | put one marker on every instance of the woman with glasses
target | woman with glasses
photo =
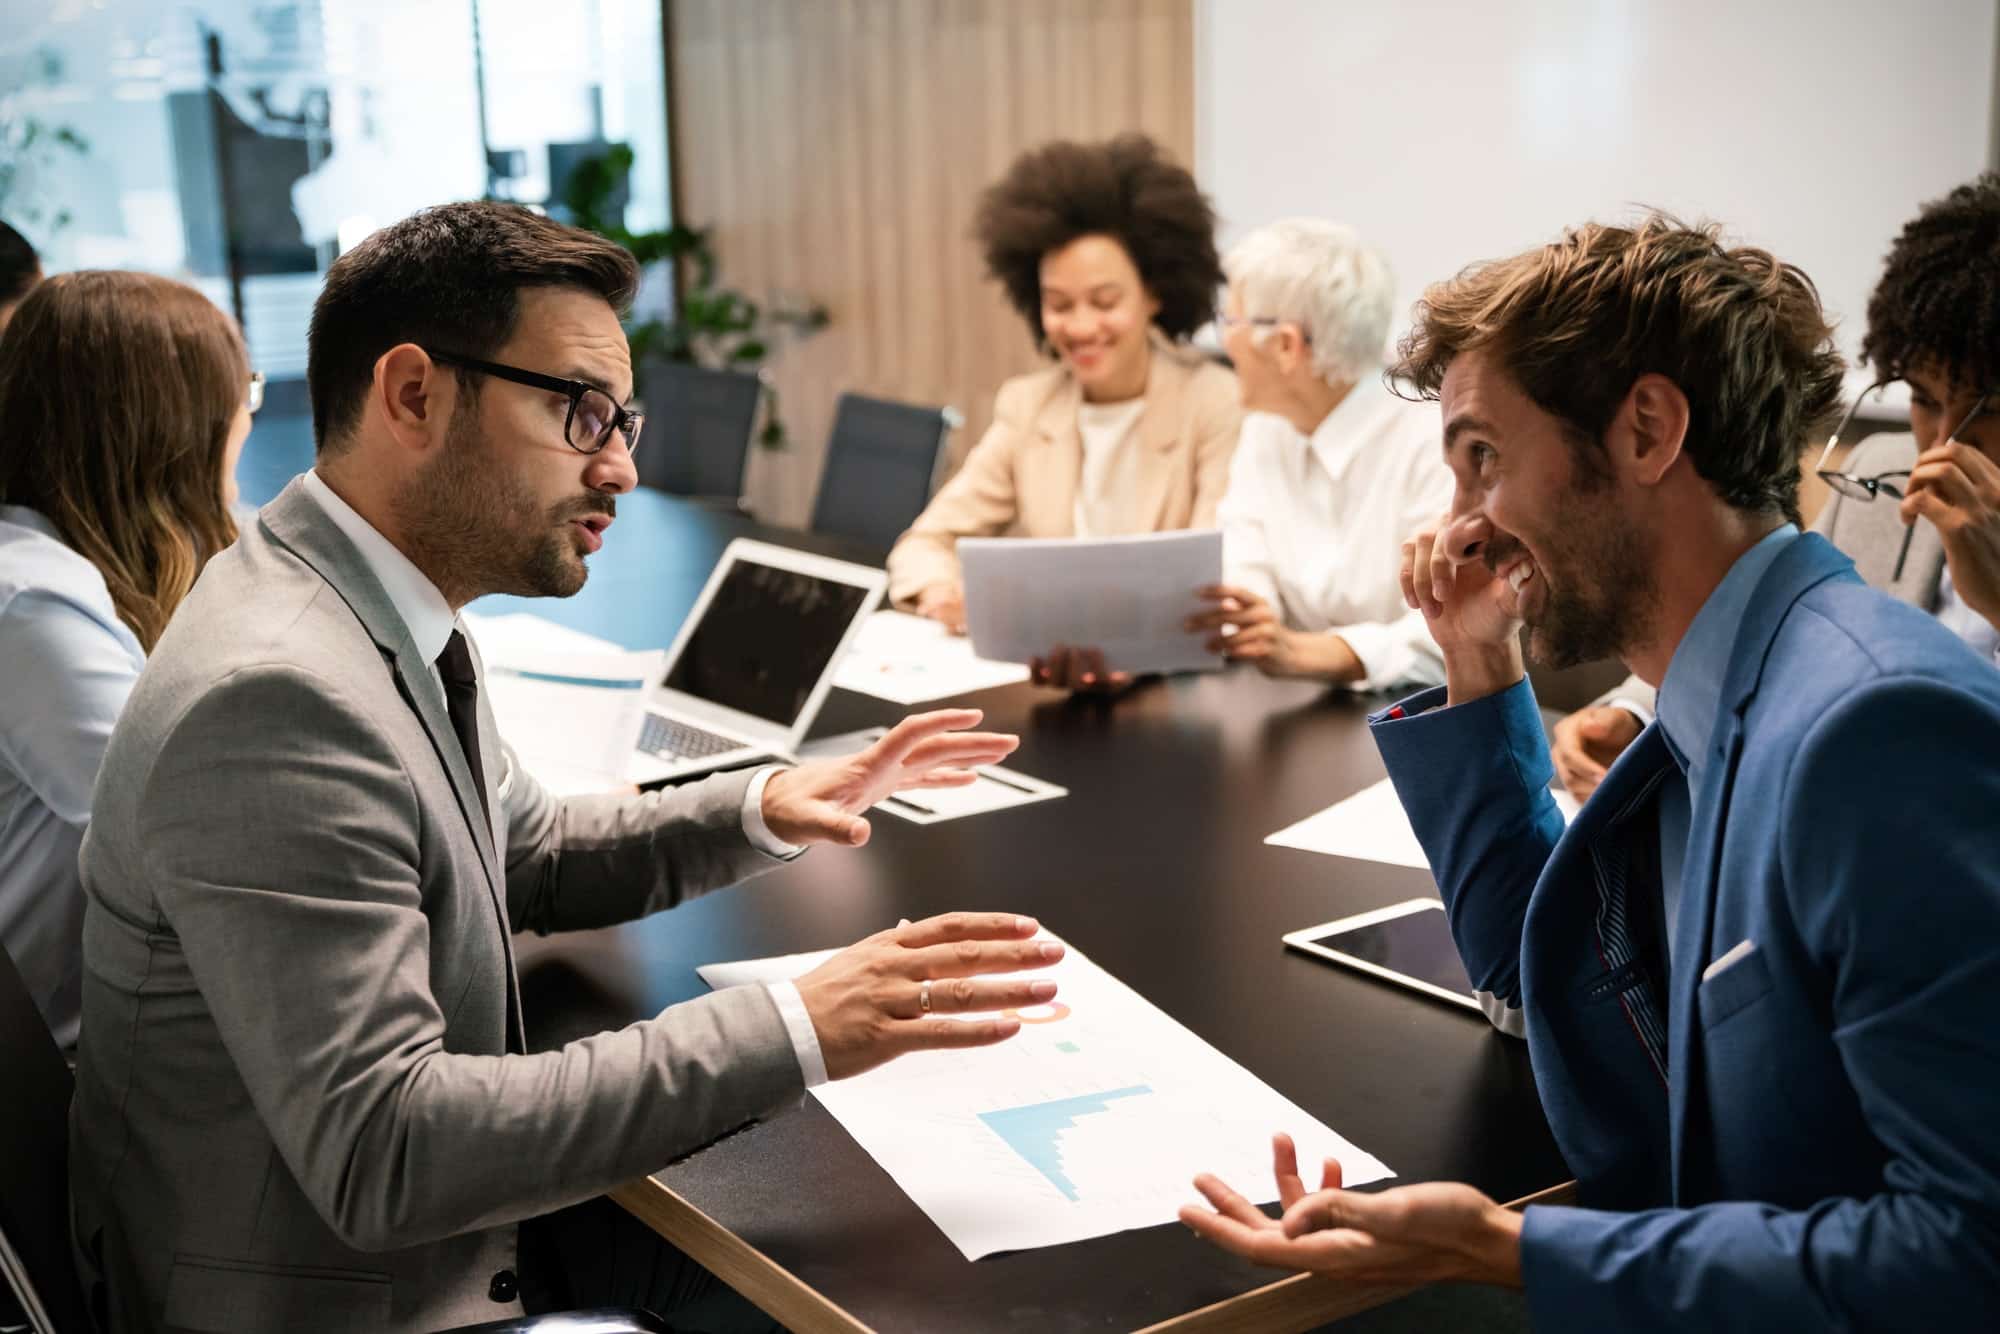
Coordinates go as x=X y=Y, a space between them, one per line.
x=125 y=400
x=1918 y=513
x=1333 y=470
x=1107 y=250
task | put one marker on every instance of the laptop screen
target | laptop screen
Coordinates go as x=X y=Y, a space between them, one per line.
x=765 y=640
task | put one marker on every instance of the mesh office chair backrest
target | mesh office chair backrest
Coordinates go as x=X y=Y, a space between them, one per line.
x=34 y=1164
x=698 y=423
x=879 y=465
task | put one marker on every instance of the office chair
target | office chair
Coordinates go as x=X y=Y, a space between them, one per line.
x=880 y=464
x=35 y=1260
x=34 y=1166
x=698 y=424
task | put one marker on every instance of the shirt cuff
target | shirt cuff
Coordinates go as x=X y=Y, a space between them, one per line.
x=799 y=1025
x=1633 y=707
x=754 y=828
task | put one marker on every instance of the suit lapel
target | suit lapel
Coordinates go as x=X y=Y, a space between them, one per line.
x=1805 y=563
x=1056 y=425
x=1159 y=432
x=296 y=520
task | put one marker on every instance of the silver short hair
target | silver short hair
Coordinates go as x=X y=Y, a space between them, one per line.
x=1322 y=277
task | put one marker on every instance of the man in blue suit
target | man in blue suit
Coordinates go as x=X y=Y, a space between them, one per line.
x=1757 y=973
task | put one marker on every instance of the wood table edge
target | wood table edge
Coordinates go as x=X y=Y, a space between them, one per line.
x=1298 y=1302
x=775 y=1290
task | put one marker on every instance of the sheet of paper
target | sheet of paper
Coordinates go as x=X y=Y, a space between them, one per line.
x=523 y=634
x=1124 y=595
x=1371 y=826
x=572 y=718
x=909 y=659
x=1091 y=1120
x=996 y=789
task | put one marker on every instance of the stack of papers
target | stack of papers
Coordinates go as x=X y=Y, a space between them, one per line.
x=1125 y=596
x=569 y=704
x=1371 y=826
x=1091 y=1120
x=909 y=659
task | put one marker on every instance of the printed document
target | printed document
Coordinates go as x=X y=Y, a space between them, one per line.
x=1126 y=596
x=573 y=718
x=1093 y=1119
x=909 y=659
x=1371 y=826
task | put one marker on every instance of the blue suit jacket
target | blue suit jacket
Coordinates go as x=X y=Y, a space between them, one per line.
x=1810 y=1137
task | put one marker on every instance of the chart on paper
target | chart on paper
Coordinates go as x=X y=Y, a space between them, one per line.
x=1095 y=1118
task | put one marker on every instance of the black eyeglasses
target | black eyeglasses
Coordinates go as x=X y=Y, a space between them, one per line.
x=1857 y=487
x=593 y=416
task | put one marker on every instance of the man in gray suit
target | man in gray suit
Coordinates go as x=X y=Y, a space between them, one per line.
x=303 y=1098
x=1918 y=513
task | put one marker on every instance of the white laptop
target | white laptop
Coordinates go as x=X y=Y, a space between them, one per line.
x=753 y=661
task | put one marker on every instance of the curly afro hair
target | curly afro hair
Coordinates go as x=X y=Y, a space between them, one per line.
x=1938 y=302
x=1126 y=189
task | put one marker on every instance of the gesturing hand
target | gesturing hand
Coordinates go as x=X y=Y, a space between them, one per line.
x=1413 y=1234
x=1587 y=741
x=896 y=991
x=1957 y=488
x=821 y=802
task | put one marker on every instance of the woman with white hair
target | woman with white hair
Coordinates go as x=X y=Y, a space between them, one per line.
x=1331 y=472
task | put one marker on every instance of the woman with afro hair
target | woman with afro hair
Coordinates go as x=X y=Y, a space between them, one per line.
x=1107 y=250
x=1918 y=513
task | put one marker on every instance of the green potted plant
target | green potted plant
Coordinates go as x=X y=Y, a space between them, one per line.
x=29 y=145
x=711 y=325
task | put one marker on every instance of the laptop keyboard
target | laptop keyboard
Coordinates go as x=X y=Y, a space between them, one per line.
x=678 y=741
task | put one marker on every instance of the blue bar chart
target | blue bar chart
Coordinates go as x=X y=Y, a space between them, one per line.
x=1036 y=1130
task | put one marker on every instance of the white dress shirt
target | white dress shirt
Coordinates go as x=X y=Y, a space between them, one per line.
x=1964 y=622
x=1315 y=525
x=67 y=664
x=430 y=621
x=1110 y=461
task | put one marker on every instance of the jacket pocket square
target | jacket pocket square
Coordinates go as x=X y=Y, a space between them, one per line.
x=1736 y=953
x=1732 y=984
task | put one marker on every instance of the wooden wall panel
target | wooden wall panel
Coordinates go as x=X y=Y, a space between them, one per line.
x=837 y=148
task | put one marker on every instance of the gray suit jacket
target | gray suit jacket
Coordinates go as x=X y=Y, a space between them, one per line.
x=1869 y=533
x=302 y=1097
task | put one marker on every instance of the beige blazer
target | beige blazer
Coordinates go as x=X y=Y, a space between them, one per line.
x=1020 y=480
x=303 y=1101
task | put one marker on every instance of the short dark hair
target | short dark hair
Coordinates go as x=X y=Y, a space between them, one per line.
x=1578 y=321
x=1124 y=188
x=447 y=278
x=1939 y=298
x=20 y=267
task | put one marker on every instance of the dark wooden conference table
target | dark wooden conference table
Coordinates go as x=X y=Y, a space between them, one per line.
x=1155 y=867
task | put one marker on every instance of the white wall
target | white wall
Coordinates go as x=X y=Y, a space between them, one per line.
x=1449 y=132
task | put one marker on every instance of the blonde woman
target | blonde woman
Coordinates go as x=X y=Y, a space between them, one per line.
x=125 y=400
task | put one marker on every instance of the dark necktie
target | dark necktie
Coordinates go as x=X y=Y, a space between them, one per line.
x=461 y=699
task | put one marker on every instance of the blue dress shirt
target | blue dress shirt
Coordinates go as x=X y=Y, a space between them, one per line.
x=1690 y=694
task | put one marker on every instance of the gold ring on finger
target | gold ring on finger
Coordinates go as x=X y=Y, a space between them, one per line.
x=924 y=995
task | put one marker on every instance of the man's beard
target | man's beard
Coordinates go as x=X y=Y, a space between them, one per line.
x=1600 y=592
x=477 y=530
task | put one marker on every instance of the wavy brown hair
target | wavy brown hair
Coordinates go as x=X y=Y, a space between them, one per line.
x=117 y=392
x=1577 y=321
